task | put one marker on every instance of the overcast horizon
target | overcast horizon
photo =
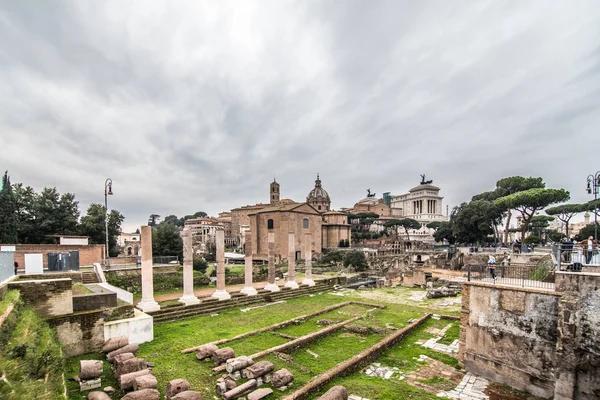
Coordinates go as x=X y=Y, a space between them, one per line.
x=196 y=106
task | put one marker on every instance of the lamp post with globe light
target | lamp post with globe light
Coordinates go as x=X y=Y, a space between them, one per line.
x=593 y=185
x=107 y=192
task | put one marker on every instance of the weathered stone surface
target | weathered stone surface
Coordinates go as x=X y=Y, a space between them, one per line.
x=89 y=384
x=130 y=348
x=259 y=369
x=361 y=330
x=335 y=393
x=225 y=384
x=90 y=369
x=260 y=394
x=144 y=394
x=281 y=378
x=176 y=386
x=119 y=358
x=126 y=380
x=109 y=390
x=145 y=382
x=187 y=395
x=115 y=343
x=98 y=396
x=240 y=390
x=206 y=351
x=238 y=363
x=130 y=365
x=222 y=355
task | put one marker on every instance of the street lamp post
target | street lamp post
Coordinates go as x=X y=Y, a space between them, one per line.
x=593 y=185
x=107 y=192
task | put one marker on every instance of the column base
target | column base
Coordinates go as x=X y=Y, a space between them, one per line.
x=292 y=284
x=249 y=290
x=221 y=295
x=272 y=287
x=308 y=282
x=148 y=305
x=189 y=300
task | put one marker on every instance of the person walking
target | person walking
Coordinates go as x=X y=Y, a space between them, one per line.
x=591 y=246
x=492 y=266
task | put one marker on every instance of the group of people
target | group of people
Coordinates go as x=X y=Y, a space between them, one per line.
x=587 y=247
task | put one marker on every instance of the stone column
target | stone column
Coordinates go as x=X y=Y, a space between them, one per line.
x=147 y=303
x=308 y=260
x=188 y=297
x=248 y=267
x=291 y=283
x=221 y=293
x=272 y=286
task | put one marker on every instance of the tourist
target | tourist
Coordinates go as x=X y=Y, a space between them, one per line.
x=492 y=266
x=591 y=246
x=16 y=267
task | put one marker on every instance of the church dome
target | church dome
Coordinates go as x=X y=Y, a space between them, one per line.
x=318 y=192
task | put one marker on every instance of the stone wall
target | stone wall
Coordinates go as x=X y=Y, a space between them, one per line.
x=49 y=297
x=541 y=341
x=83 y=332
x=95 y=301
x=74 y=276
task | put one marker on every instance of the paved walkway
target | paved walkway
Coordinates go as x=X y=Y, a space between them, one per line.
x=207 y=292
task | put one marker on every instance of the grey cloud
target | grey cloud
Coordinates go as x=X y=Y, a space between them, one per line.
x=196 y=106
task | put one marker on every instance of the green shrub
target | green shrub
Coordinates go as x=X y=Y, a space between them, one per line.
x=356 y=259
x=200 y=264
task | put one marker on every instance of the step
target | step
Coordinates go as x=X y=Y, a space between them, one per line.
x=205 y=306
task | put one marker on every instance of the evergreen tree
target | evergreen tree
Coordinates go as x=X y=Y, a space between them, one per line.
x=8 y=213
x=93 y=225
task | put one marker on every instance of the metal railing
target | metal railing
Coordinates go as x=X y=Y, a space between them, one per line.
x=572 y=257
x=540 y=275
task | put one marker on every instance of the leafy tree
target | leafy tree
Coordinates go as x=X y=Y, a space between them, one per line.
x=586 y=232
x=406 y=223
x=93 y=225
x=591 y=206
x=532 y=239
x=335 y=256
x=55 y=214
x=198 y=214
x=473 y=222
x=25 y=198
x=173 y=220
x=166 y=241
x=435 y=225
x=508 y=186
x=356 y=259
x=444 y=232
x=153 y=220
x=538 y=223
x=8 y=212
x=555 y=235
x=528 y=202
x=200 y=264
x=565 y=212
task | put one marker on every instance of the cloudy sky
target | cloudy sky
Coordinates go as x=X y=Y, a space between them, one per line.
x=196 y=105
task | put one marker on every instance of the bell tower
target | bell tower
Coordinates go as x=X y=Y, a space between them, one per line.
x=274 y=195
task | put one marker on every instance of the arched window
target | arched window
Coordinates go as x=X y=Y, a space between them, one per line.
x=305 y=223
x=319 y=208
x=270 y=224
x=129 y=251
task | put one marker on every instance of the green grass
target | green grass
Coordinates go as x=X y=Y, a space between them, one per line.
x=171 y=338
x=451 y=335
x=10 y=297
x=80 y=288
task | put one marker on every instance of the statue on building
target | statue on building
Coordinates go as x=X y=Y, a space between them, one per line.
x=369 y=194
x=424 y=182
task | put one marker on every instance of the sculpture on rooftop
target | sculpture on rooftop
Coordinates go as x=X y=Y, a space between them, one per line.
x=369 y=194
x=424 y=182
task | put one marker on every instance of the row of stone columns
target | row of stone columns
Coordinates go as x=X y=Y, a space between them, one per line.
x=189 y=298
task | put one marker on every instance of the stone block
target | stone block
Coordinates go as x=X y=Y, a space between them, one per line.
x=259 y=394
x=176 y=386
x=90 y=384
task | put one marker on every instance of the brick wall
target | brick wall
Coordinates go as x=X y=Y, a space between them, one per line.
x=88 y=255
x=49 y=297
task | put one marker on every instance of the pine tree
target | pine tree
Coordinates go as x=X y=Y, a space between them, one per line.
x=8 y=212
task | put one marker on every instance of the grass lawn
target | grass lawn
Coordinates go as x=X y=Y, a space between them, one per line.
x=171 y=338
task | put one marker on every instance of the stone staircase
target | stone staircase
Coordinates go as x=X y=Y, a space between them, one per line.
x=88 y=277
x=238 y=300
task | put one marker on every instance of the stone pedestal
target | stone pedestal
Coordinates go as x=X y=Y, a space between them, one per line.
x=308 y=280
x=188 y=297
x=248 y=288
x=291 y=283
x=272 y=286
x=148 y=304
x=221 y=293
